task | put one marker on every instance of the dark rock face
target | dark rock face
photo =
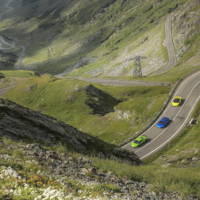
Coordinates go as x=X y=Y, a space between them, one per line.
x=7 y=60
x=21 y=123
x=62 y=168
x=100 y=102
x=2 y=76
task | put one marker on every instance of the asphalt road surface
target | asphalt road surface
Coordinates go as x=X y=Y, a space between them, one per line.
x=171 y=63
x=113 y=82
x=189 y=89
x=170 y=48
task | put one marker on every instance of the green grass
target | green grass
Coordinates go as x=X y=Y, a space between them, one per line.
x=181 y=150
x=100 y=33
x=65 y=100
x=71 y=96
x=160 y=178
x=182 y=180
x=172 y=169
x=19 y=73
x=35 y=177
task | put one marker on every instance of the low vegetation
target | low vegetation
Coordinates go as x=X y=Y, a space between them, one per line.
x=136 y=107
x=26 y=172
x=175 y=168
x=98 y=44
x=101 y=41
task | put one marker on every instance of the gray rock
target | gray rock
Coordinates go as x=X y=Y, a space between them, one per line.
x=21 y=123
x=2 y=75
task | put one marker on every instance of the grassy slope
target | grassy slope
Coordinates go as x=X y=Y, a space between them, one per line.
x=166 y=171
x=188 y=64
x=185 y=150
x=101 y=34
x=176 y=168
x=28 y=177
x=18 y=73
x=65 y=100
x=121 y=60
x=176 y=177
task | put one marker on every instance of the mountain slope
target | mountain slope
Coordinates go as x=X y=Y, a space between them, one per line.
x=122 y=40
x=87 y=108
x=99 y=37
x=34 y=165
x=20 y=123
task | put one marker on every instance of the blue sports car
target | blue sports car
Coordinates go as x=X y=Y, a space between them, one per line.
x=163 y=122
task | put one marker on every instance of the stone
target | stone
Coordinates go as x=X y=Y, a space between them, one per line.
x=2 y=76
x=22 y=123
x=195 y=159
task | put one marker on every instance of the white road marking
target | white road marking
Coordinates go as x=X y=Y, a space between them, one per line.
x=166 y=116
x=178 y=130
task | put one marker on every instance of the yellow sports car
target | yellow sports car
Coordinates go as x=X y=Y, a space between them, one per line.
x=177 y=101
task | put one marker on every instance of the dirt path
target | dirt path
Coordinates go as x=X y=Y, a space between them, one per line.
x=21 y=55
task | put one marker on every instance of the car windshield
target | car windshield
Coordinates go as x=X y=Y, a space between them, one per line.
x=136 y=141
x=162 y=122
x=176 y=100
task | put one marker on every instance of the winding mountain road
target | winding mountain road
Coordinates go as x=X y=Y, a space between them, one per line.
x=113 y=82
x=189 y=89
x=172 y=61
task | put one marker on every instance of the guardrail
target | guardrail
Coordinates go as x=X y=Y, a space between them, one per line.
x=171 y=93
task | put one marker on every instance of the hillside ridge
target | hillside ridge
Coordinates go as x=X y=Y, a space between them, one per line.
x=22 y=123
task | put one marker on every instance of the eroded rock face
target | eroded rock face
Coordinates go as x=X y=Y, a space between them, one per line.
x=100 y=102
x=2 y=76
x=7 y=60
x=72 y=176
x=21 y=123
x=186 y=26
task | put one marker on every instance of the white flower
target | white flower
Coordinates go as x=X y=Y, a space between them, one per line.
x=51 y=194
x=9 y=172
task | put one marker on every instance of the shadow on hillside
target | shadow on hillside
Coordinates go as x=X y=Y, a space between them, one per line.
x=21 y=123
x=52 y=24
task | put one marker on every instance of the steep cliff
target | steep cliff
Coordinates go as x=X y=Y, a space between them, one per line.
x=21 y=123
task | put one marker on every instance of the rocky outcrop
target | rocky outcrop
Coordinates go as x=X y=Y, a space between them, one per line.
x=2 y=76
x=7 y=59
x=100 y=102
x=21 y=123
x=62 y=176
x=186 y=22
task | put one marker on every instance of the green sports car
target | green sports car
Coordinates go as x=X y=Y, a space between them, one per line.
x=139 y=141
